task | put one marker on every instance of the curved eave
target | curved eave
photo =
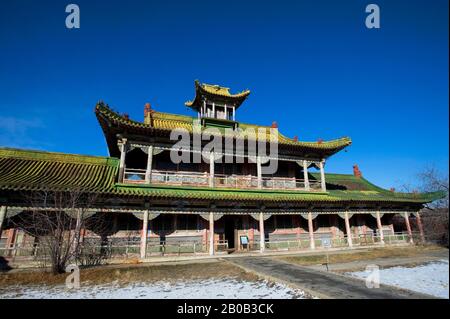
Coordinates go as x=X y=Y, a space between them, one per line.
x=113 y=123
x=367 y=190
x=236 y=99
x=203 y=193
x=28 y=171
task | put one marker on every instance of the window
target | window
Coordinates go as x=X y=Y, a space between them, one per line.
x=284 y=221
x=163 y=223
x=186 y=222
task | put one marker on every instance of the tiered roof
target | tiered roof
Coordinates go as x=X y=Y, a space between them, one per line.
x=216 y=93
x=22 y=170
x=161 y=124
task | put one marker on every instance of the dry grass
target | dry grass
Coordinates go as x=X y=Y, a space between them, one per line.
x=349 y=256
x=125 y=274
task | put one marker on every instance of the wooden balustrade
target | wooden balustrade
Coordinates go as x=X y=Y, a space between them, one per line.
x=137 y=176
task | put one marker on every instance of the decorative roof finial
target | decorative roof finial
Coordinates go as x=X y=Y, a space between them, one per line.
x=147 y=109
x=356 y=171
x=295 y=138
x=274 y=124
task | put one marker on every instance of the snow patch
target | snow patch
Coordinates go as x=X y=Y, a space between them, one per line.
x=430 y=278
x=227 y=288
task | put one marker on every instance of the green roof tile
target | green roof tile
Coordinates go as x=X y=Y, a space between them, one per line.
x=35 y=170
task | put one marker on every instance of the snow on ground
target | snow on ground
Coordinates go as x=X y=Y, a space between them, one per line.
x=229 y=288
x=430 y=278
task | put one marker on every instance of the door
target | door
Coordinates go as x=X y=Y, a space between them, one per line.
x=230 y=230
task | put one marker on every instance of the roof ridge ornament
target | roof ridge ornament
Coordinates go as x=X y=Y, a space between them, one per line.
x=356 y=171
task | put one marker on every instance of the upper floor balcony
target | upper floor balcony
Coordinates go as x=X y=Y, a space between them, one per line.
x=186 y=178
x=149 y=164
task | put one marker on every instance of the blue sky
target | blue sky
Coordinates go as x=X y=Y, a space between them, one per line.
x=312 y=66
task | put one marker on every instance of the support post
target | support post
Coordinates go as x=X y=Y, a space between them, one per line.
x=380 y=228
x=148 y=171
x=211 y=169
x=420 y=225
x=123 y=152
x=305 y=175
x=408 y=227
x=262 y=236
x=211 y=234
x=3 y=211
x=322 y=176
x=234 y=113
x=348 y=230
x=259 y=171
x=312 y=243
x=144 y=235
x=213 y=110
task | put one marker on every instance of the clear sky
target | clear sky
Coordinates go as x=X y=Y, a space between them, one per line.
x=312 y=66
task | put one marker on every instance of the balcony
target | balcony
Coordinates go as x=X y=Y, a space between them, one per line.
x=185 y=178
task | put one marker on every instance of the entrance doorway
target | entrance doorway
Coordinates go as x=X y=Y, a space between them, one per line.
x=230 y=227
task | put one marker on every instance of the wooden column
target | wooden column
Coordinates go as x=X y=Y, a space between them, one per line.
x=144 y=235
x=262 y=235
x=322 y=176
x=123 y=152
x=211 y=234
x=380 y=228
x=348 y=230
x=213 y=110
x=259 y=171
x=211 y=169
x=420 y=225
x=148 y=171
x=3 y=211
x=408 y=227
x=234 y=113
x=305 y=174
x=312 y=243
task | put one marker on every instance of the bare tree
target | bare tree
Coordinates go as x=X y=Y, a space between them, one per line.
x=432 y=180
x=55 y=219
x=435 y=215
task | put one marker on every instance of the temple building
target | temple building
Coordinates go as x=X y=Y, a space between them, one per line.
x=209 y=206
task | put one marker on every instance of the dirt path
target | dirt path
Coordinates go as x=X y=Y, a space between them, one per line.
x=319 y=283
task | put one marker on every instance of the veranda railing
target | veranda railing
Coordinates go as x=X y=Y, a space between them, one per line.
x=131 y=248
x=137 y=176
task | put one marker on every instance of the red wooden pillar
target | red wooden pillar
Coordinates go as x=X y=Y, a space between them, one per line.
x=408 y=227
x=420 y=225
